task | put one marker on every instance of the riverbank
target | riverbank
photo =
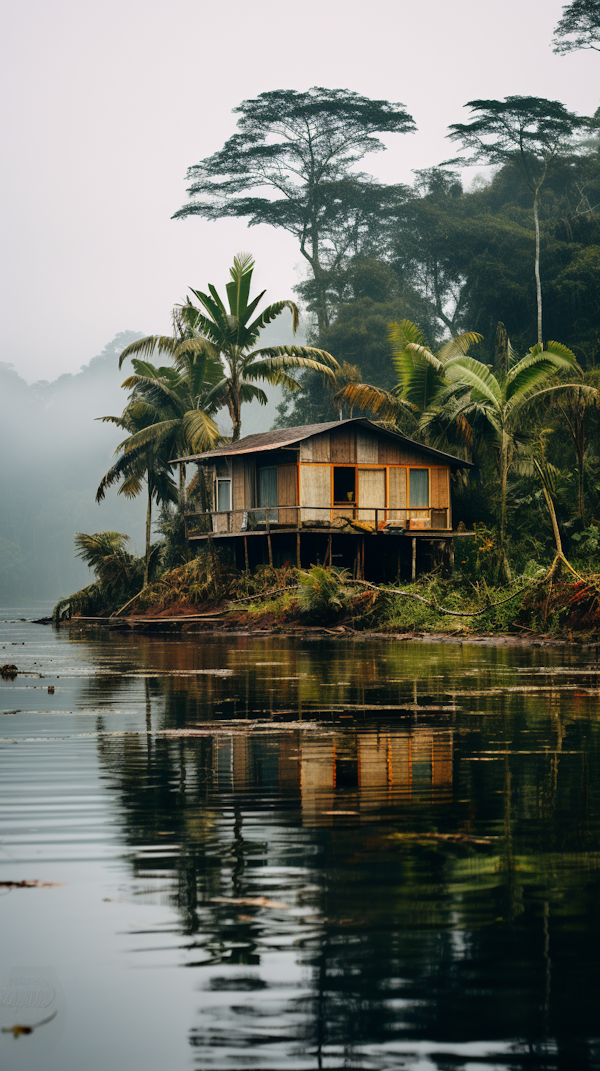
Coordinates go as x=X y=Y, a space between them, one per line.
x=549 y=609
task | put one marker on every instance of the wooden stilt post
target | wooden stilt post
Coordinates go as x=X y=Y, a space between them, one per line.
x=270 y=548
x=451 y=555
x=246 y=554
x=298 y=558
x=329 y=549
x=414 y=558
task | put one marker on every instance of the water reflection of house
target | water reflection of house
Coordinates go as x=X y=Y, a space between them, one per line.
x=352 y=770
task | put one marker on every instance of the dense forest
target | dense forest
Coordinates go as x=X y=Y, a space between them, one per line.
x=506 y=260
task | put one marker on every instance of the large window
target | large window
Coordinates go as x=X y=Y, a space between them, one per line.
x=418 y=493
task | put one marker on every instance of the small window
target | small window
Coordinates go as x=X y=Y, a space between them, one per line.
x=344 y=485
x=418 y=494
x=223 y=495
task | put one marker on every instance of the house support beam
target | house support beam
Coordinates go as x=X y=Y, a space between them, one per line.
x=269 y=545
x=413 y=571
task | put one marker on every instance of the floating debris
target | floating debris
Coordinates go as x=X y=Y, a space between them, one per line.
x=30 y=885
x=249 y=901
x=18 y=1030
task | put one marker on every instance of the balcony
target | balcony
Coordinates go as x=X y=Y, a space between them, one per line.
x=343 y=518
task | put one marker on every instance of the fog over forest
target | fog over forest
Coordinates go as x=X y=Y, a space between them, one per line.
x=54 y=454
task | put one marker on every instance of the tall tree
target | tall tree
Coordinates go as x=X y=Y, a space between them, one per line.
x=495 y=404
x=529 y=131
x=578 y=28
x=300 y=147
x=232 y=333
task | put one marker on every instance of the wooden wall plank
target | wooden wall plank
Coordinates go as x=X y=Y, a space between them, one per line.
x=367 y=446
x=440 y=488
x=389 y=452
x=371 y=494
x=286 y=493
x=306 y=450
x=398 y=494
x=343 y=445
x=321 y=447
x=238 y=498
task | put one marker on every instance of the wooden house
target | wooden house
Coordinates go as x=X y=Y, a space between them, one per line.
x=349 y=493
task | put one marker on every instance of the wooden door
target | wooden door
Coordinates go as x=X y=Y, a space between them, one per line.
x=371 y=494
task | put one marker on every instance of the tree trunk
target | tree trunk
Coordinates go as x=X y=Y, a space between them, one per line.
x=148 y=535
x=234 y=406
x=538 y=283
x=181 y=485
x=580 y=447
x=551 y=510
x=503 y=566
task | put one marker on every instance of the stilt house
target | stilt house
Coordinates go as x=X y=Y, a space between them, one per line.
x=349 y=493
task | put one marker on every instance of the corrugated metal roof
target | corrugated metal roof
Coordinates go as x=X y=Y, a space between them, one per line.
x=282 y=437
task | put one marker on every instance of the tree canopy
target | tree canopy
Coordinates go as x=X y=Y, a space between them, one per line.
x=299 y=148
x=578 y=28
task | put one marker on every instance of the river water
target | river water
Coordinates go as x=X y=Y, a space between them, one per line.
x=266 y=853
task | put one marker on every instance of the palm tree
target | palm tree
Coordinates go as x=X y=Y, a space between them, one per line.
x=449 y=390
x=420 y=374
x=495 y=403
x=232 y=335
x=138 y=464
x=175 y=400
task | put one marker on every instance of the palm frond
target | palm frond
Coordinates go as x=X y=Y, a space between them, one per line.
x=199 y=431
x=271 y=313
x=145 y=347
x=249 y=392
x=401 y=334
x=372 y=399
x=459 y=346
x=238 y=290
x=287 y=355
x=476 y=375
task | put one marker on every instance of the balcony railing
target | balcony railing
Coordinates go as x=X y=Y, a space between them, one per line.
x=332 y=518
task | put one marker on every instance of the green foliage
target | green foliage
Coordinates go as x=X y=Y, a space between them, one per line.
x=232 y=334
x=175 y=550
x=119 y=574
x=587 y=545
x=578 y=28
x=300 y=148
x=323 y=593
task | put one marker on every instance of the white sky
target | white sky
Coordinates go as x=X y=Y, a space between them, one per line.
x=107 y=103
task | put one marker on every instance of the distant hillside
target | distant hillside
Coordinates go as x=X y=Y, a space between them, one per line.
x=53 y=454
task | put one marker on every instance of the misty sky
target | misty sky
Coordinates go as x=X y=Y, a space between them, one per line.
x=107 y=104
